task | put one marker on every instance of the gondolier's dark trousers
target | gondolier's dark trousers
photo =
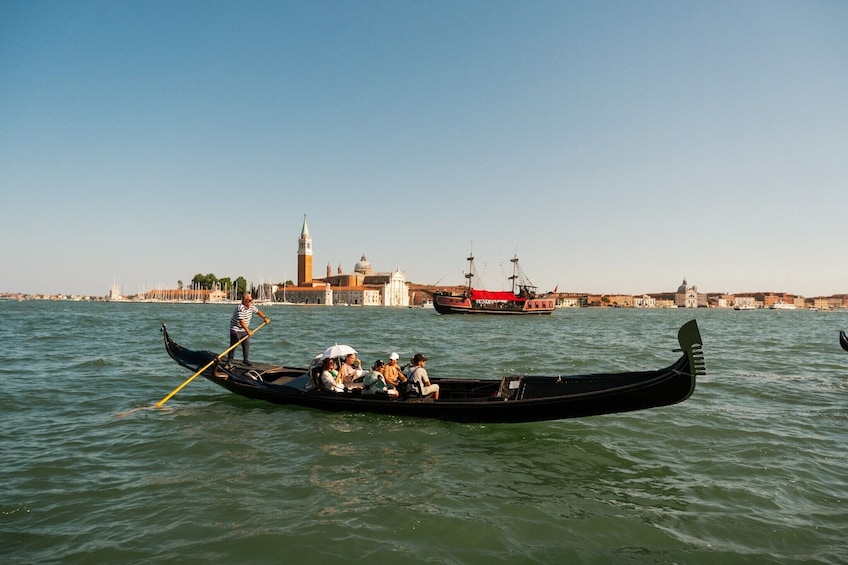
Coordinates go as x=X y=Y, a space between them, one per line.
x=236 y=335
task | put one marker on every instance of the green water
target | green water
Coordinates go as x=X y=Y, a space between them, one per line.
x=753 y=468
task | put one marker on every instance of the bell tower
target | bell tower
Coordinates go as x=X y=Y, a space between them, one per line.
x=304 y=257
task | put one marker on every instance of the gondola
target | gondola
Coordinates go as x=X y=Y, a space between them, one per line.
x=843 y=340
x=512 y=398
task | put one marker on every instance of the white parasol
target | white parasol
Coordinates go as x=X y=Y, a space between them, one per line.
x=338 y=351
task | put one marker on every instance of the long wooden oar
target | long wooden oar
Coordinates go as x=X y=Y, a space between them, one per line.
x=212 y=362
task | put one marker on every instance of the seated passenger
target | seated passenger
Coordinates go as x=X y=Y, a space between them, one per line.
x=407 y=368
x=330 y=380
x=392 y=371
x=351 y=370
x=375 y=382
x=421 y=379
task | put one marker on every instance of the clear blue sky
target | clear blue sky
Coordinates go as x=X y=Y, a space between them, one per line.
x=613 y=146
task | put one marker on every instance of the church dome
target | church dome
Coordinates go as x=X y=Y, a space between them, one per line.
x=683 y=287
x=363 y=266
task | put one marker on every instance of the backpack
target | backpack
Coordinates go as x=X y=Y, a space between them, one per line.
x=374 y=383
x=410 y=387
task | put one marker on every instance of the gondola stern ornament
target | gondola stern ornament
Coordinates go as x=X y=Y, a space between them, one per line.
x=689 y=337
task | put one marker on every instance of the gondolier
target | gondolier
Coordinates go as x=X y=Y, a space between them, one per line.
x=240 y=327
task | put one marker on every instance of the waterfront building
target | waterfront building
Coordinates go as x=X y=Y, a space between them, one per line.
x=304 y=257
x=315 y=294
x=833 y=302
x=769 y=299
x=595 y=300
x=570 y=300
x=185 y=295
x=688 y=297
x=664 y=299
x=362 y=287
x=644 y=301
x=307 y=291
x=746 y=301
x=619 y=300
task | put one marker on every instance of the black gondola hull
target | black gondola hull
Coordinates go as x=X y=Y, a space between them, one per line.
x=515 y=398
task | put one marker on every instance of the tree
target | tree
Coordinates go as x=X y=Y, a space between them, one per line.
x=206 y=282
x=241 y=287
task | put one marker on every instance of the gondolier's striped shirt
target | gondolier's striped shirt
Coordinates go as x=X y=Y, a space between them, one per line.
x=242 y=313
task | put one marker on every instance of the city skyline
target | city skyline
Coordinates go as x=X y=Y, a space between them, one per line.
x=116 y=288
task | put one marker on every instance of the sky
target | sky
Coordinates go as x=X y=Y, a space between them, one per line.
x=613 y=146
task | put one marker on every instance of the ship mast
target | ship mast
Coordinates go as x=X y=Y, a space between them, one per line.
x=514 y=276
x=470 y=274
x=525 y=287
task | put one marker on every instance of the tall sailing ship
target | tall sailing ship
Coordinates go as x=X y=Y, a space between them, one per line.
x=522 y=299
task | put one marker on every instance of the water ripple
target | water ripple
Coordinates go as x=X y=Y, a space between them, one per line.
x=751 y=469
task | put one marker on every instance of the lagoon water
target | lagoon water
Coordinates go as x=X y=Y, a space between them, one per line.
x=753 y=468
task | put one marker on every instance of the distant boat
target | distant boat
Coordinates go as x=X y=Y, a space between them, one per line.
x=781 y=305
x=522 y=299
x=745 y=307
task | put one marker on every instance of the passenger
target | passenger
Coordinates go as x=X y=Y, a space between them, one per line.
x=351 y=370
x=380 y=367
x=407 y=368
x=375 y=382
x=392 y=371
x=330 y=377
x=420 y=377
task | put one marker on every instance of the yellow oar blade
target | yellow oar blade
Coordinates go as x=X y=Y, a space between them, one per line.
x=209 y=364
